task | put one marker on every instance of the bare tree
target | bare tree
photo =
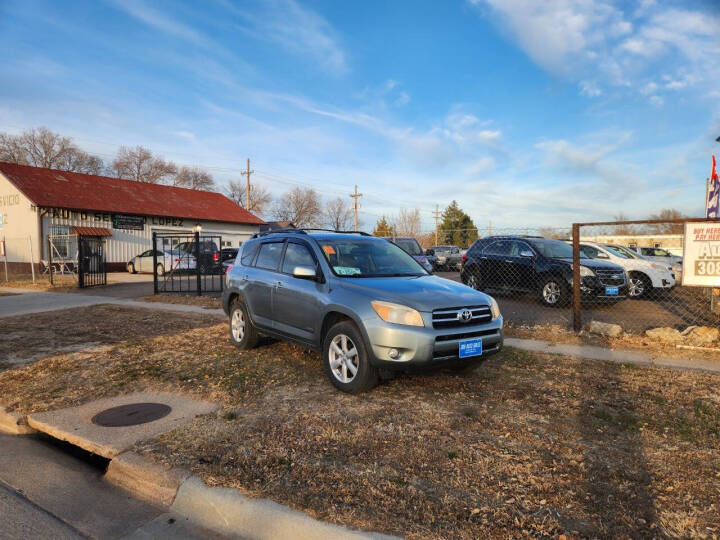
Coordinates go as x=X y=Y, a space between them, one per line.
x=259 y=196
x=194 y=178
x=667 y=228
x=338 y=214
x=559 y=233
x=300 y=206
x=140 y=165
x=407 y=223
x=42 y=148
x=622 y=230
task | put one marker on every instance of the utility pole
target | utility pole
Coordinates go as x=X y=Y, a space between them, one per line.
x=437 y=217
x=247 y=174
x=490 y=228
x=356 y=204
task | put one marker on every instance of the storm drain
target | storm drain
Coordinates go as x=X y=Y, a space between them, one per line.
x=132 y=414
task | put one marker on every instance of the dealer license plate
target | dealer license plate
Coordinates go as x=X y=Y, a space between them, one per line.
x=470 y=347
x=611 y=291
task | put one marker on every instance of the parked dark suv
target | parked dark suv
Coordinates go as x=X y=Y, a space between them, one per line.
x=209 y=259
x=541 y=266
x=362 y=301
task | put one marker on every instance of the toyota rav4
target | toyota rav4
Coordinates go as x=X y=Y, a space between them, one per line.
x=361 y=301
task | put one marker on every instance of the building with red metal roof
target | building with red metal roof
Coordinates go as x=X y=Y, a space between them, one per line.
x=37 y=204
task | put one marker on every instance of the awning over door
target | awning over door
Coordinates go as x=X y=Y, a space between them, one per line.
x=91 y=231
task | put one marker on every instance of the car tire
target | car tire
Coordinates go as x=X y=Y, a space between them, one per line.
x=131 y=268
x=242 y=331
x=554 y=292
x=160 y=269
x=343 y=338
x=639 y=286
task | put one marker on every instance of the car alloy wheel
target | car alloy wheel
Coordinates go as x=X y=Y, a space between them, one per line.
x=638 y=286
x=343 y=357
x=160 y=270
x=473 y=282
x=237 y=325
x=551 y=293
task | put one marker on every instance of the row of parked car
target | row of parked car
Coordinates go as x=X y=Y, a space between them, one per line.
x=543 y=266
x=183 y=257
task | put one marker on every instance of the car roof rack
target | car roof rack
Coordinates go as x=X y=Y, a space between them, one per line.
x=304 y=231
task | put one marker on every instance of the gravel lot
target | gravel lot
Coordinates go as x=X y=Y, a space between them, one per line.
x=525 y=445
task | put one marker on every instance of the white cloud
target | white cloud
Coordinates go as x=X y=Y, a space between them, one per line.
x=596 y=43
x=590 y=89
x=657 y=101
x=294 y=27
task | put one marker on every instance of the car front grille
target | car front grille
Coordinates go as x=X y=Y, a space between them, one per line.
x=448 y=317
x=611 y=277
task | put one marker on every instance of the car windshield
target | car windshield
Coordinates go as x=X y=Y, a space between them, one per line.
x=362 y=258
x=618 y=252
x=410 y=245
x=554 y=249
x=630 y=254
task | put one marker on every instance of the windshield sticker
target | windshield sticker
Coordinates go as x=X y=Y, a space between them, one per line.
x=329 y=250
x=346 y=270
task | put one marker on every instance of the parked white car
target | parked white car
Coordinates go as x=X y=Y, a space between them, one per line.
x=644 y=276
x=167 y=261
x=658 y=255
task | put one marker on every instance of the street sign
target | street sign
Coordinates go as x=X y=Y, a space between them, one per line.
x=701 y=254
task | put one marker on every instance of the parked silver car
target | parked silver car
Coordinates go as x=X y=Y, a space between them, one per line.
x=365 y=303
x=166 y=260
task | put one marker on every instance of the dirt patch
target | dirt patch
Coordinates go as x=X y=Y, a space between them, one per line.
x=28 y=338
x=206 y=302
x=42 y=283
x=525 y=445
x=638 y=342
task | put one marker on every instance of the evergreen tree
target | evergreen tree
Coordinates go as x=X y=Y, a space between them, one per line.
x=457 y=228
x=382 y=228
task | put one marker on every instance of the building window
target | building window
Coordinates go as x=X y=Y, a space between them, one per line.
x=657 y=244
x=60 y=238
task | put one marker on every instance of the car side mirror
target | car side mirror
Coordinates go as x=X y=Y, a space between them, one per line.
x=603 y=256
x=526 y=253
x=305 y=272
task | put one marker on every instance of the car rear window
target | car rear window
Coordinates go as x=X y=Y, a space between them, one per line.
x=249 y=250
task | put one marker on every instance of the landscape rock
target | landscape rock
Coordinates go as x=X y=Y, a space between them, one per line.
x=701 y=336
x=665 y=335
x=604 y=329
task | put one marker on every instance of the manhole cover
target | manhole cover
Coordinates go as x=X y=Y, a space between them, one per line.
x=131 y=415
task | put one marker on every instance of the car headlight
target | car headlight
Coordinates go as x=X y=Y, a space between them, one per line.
x=586 y=272
x=397 y=314
x=494 y=308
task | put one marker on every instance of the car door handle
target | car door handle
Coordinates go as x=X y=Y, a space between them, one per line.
x=509 y=261
x=278 y=284
x=483 y=258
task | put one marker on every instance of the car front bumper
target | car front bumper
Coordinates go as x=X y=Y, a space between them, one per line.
x=427 y=346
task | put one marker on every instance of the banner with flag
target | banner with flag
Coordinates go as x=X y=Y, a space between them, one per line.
x=713 y=196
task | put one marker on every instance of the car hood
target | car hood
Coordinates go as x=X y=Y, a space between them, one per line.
x=424 y=293
x=593 y=264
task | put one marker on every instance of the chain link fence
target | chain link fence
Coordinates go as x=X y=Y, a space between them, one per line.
x=630 y=275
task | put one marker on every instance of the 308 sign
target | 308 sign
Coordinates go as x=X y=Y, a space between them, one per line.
x=701 y=255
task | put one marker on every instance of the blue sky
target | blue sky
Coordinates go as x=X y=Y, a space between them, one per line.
x=528 y=113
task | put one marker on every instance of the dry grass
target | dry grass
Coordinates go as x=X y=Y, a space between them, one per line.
x=207 y=302
x=30 y=337
x=525 y=445
x=41 y=283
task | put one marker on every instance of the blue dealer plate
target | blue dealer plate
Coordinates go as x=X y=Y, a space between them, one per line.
x=611 y=291
x=470 y=347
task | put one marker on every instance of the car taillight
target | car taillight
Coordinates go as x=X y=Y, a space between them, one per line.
x=176 y=260
x=464 y=258
x=216 y=257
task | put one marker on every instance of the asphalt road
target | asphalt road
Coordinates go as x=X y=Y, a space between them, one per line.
x=679 y=308
x=47 y=491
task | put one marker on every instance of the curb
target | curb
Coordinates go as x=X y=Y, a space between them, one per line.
x=13 y=424
x=146 y=479
x=223 y=510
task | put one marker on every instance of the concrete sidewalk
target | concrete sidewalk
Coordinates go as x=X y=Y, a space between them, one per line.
x=27 y=301
x=622 y=356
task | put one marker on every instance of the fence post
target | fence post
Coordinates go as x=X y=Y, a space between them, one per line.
x=577 y=321
x=50 y=263
x=197 y=263
x=32 y=259
x=155 y=276
x=4 y=252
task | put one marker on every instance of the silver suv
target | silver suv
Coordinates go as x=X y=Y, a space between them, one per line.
x=361 y=301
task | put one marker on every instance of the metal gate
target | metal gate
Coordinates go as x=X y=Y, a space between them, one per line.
x=91 y=261
x=187 y=263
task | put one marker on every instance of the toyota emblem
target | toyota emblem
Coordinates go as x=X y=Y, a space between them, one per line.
x=464 y=315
